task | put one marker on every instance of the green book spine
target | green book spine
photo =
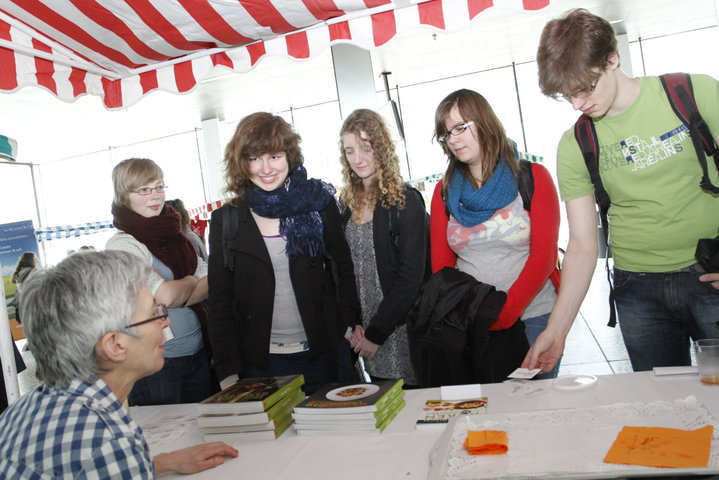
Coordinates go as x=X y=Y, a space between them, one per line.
x=286 y=404
x=390 y=407
x=390 y=395
x=391 y=416
x=283 y=392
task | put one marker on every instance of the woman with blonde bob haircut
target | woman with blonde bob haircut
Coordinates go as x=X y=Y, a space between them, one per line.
x=276 y=249
x=153 y=232
x=479 y=222
x=387 y=231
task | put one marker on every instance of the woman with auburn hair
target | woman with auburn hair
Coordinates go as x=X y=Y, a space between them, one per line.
x=387 y=231
x=152 y=231
x=479 y=223
x=282 y=288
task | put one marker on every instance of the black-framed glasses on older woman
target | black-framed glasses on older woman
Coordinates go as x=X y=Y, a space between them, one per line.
x=160 y=308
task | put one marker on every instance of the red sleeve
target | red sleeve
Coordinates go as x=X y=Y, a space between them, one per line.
x=542 y=260
x=442 y=255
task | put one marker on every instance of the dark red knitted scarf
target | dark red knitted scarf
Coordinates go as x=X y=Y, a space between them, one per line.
x=162 y=235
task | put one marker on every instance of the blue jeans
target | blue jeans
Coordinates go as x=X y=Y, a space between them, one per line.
x=315 y=370
x=181 y=380
x=532 y=328
x=659 y=312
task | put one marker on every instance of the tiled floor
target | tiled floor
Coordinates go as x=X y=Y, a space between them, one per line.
x=591 y=347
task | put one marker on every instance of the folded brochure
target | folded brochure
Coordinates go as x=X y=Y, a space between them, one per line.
x=437 y=413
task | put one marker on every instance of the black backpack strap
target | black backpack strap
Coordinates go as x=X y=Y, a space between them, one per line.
x=345 y=213
x=526 y=183
x=679 y=90
x=586 y=136
x=443 y=193
x=230 y=218
x=394 y=228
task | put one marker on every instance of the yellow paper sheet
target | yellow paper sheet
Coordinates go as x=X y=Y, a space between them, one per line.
x=662 y=447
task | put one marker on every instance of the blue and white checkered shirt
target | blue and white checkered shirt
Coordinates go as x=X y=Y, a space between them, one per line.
x=78 y=432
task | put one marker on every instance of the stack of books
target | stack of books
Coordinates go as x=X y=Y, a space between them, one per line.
x=251 y=409
x=342 y=409
x=438 y=413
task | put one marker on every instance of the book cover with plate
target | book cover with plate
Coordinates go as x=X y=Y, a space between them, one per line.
x=351 y=398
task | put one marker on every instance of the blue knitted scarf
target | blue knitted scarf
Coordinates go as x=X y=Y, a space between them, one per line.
x=296 y=203
x=471 y=207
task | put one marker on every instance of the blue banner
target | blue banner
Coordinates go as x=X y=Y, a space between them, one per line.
x=15 y=239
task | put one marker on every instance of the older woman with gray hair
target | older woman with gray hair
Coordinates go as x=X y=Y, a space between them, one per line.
x=94 y=329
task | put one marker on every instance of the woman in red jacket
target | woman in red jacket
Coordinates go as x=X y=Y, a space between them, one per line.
x=478 y=221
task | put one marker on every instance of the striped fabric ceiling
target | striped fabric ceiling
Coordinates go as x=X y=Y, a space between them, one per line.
x=122 y=50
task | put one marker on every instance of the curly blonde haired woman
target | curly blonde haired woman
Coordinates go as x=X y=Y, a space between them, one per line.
x=387 y=230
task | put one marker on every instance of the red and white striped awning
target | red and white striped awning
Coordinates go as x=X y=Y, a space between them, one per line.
x=122 y=50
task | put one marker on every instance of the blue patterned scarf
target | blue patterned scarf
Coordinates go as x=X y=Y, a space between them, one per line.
x=296 y=203
x=471 y=207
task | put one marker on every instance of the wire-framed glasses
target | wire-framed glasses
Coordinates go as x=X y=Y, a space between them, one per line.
x=148 y=190
x=581 y=93
x=455 y=131
x=160 y=308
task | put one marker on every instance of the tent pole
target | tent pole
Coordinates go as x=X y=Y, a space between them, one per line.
x=37 y=210
x=9 y=370
x=519 y=106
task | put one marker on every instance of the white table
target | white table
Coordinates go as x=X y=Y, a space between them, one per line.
x=402 y=452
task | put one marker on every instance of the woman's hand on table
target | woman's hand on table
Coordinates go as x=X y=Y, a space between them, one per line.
x=194 y=459
x=711 y=277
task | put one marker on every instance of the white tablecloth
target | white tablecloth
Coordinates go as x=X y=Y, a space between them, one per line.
x=401 y=452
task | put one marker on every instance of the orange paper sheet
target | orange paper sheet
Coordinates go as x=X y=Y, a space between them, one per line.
x=662 y=447
x=486 y=442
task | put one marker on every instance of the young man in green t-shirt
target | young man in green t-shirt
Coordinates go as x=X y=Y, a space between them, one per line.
x=658 y=211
